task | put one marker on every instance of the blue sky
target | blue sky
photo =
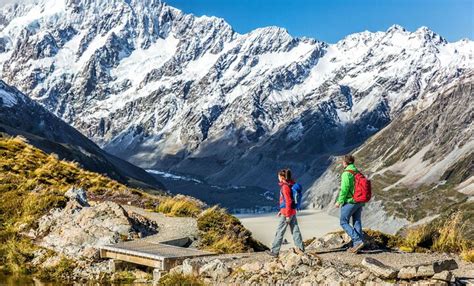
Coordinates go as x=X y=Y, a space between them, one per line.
x=332 y=20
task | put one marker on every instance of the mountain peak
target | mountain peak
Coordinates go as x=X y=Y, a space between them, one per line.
x=396 y=28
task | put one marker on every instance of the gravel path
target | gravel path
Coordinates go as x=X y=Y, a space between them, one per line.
x=169 y=227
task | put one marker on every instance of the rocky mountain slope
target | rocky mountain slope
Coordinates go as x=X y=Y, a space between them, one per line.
x=19 y=115
x=171 y=91
x=421 y=164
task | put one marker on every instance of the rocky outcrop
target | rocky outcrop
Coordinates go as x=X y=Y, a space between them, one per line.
x=78 y=230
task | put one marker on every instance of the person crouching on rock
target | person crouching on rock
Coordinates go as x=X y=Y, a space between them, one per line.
x=287 y=215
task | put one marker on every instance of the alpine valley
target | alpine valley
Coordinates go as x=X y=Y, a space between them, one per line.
x=188 y=95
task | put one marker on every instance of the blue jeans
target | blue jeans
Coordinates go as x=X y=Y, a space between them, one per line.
x=295 y=230
x=353 y=211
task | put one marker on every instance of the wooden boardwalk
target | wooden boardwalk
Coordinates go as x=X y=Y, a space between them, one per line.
x=158 y=255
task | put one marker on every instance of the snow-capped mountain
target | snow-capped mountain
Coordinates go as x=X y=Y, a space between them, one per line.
x=171 y=91
x=19 y=115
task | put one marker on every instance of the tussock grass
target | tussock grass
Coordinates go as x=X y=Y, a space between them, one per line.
x=445 y=235
x=60 y=272
x=468 y=255
x=223 y=233
x=449 y=237
x=179 y=207
x=32 y=183
x=173 y=279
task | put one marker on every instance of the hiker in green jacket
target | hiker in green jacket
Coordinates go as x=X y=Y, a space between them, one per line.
x=350 y=208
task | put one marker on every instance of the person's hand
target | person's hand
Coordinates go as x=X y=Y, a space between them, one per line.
x=287 y=219
x=278 y=214
x=337 y=205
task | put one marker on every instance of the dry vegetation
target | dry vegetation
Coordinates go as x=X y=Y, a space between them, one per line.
x=174 y=279
x=179 y=207
x=223 y=233
x=33 y=182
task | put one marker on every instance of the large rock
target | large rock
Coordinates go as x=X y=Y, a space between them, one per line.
x=252 y=267
x=427 y=270
x=79 y=195
x=78 y=231
x=443 y=276
x=407 y=272
x=378 y=268
x=216 y=269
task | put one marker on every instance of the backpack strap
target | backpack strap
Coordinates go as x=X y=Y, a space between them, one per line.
x=350 y=171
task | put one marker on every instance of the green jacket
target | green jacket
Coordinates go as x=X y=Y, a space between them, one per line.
x=347 y=186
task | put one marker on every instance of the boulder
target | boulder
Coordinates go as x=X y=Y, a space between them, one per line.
x=330 y=240
x=252 y=267
x=216 y=269
x=443 y=276
x=407 y=272
x=442 y=265
x=190 y=267
x=273 y=266
x=290 y=260
x=78 y=231
x=79 y=195
x=378 y=268
x=427 y=270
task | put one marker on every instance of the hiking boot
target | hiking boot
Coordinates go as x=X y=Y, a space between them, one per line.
x=298 y=251
x=269 y=252
x=357 y=248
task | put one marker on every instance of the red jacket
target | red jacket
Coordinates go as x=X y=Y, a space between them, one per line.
x=286 y=199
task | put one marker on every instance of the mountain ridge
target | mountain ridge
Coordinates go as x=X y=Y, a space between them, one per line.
x=187 y=94
x=19 y=115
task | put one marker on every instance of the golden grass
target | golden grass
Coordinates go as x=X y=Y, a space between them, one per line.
x=32 y=183
x=173 y=279
x=450 y=239
x=444 y=236
x=468 y=255
x=181 y=207
x=223 y=233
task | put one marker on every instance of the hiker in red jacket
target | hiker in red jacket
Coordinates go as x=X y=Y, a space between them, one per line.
x=287 y=214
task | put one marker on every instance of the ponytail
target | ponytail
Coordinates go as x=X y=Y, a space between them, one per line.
x=286 y=174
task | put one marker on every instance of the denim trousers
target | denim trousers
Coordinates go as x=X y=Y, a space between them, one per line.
x=295 y=230
x=353 y=211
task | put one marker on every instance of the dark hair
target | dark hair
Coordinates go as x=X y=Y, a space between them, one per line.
x=349 y=159
x=285 y=173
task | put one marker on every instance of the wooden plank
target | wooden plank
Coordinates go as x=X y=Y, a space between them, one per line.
x=152 y=254
x=133 y=259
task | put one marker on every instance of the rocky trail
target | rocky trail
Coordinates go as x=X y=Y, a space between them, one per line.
x=323 y=262
x=384 y=268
